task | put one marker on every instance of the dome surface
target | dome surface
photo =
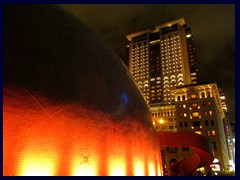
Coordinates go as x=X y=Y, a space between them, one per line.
x=70 y=105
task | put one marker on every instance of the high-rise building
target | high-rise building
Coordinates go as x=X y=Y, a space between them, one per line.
x=223 y=100
x=229 y=132
x=199 y=110
x=161 y=59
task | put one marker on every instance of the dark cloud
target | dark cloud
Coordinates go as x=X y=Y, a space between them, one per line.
x=213 y=27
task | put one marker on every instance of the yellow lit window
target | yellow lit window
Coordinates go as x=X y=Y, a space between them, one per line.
x=198 y=132
x=185 y=114
x=195 y=114
x=210 y=113
x=194 y=96
x=184 y=105
x=214 y=133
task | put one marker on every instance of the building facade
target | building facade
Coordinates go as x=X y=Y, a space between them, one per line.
x=164 y=120
x=161 y=59
x=199 y=110
x=163 y=64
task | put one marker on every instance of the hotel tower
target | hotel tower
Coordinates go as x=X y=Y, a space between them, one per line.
x=160 y=59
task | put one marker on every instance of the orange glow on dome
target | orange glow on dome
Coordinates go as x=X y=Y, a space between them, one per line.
x=41 y=165
x=36 y=143
x=117 y=167
x=159 y=170
x=139 y=168
x=84 y=166
x=151 y=169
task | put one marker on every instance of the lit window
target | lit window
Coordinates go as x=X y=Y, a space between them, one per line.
x=210 y=113
x=222 y=97
x=184 y=105
x=198 y=132
x=214 y=133
x=185 y=114
x=195 y=114
x=194 y=96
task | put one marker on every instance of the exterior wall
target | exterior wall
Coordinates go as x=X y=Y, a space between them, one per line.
x=159 y=60
x=139 y=63
x=164 y=120
x=199 y=110
x=192 y=56
x=73 y=142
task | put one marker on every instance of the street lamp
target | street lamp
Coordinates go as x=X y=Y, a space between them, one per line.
x=161 y=121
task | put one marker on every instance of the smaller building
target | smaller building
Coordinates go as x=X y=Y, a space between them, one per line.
x=199 y=110
x=164 y=120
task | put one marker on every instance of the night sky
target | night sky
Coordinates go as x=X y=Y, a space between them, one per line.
x=212 y=25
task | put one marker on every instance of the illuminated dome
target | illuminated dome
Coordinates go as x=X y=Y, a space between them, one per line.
x=70 y=107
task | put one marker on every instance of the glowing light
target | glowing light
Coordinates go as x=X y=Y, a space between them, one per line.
x=188 y=35
x=222 y=97
x=35 y=164
x=159 y=171
x=45 y=149
x=161 y=121
x=85 y=167
x=215 y=160
x=117 y=167
x=151 y=169
x=139 y=169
